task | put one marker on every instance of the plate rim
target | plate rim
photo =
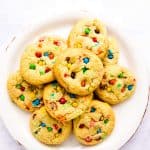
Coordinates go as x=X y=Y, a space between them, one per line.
x=20 y=34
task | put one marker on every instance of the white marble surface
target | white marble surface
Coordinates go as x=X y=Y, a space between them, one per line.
x=132 y=16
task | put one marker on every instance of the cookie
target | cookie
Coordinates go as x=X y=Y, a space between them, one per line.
x=62 y=105
x=47 y=130
x=89 y=34
x=95 y=124
x=38 y=59
x=117 y=85
x=79 y=71
x=25 y=95
x=112 y=53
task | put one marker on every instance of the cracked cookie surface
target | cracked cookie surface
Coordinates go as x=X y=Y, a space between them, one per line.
x=62 y=105
x=117 y=85
x=23 y=94
x=47 y=130
x=79 y=71
x=95 y=124
x=38 y=59
x=89 y=34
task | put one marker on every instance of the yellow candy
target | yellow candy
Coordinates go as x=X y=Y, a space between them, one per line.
x=74 y=104
x=58 y=88
x=78 y=45
x=32 y=95
x=41 y=63
x=68 y=65
x=109 y=89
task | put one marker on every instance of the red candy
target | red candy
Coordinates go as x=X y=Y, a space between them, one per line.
x=88 y=139
x=55 y=126
x=51 y=56
x=57 y=43
x=83 y=83
x=62 y=100
x=112 y=82
x=47 y=69
x=65 y=75
x=94 y=39
x=123 y=89
x=22 y=88
x=38 y=54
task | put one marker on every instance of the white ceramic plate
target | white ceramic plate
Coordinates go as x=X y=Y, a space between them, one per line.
x=128 y=114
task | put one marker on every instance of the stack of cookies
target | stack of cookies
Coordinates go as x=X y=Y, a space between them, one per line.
x=69 y=85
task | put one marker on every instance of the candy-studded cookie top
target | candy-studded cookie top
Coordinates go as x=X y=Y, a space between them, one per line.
x=117 y=85
x=62 y=105
x=95 y=124
x=38 y=60
x=90 y=34
x=25 y=95
x=48 y=130
x=79 y=71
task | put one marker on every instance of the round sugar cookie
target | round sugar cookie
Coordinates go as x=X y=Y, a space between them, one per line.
x=89 y=34
x=47 y=130
x=38 y=59
x=95 y=124
x=117 y=85
x=79 y=71
x=25 y=95
x=62 y=105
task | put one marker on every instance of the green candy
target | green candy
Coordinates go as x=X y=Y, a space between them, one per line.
x=84 y=69
x=120 y=75
x=106 y=121
x=22 y=97
x=87 y=30
x=110 y=51
x=42 y=72
x=32 y=66
x=118 y=85
x=56 y=47
x=18 y=86
x=49 y=129
x=52 y=95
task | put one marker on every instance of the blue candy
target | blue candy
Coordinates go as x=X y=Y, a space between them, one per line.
x=36 y=102
x=43 y=124
x=93 y=109
x=72 y=95
x=130 y=87
x=46 y=53
x=110 y=56
x=99 y=130
x=86 y=60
